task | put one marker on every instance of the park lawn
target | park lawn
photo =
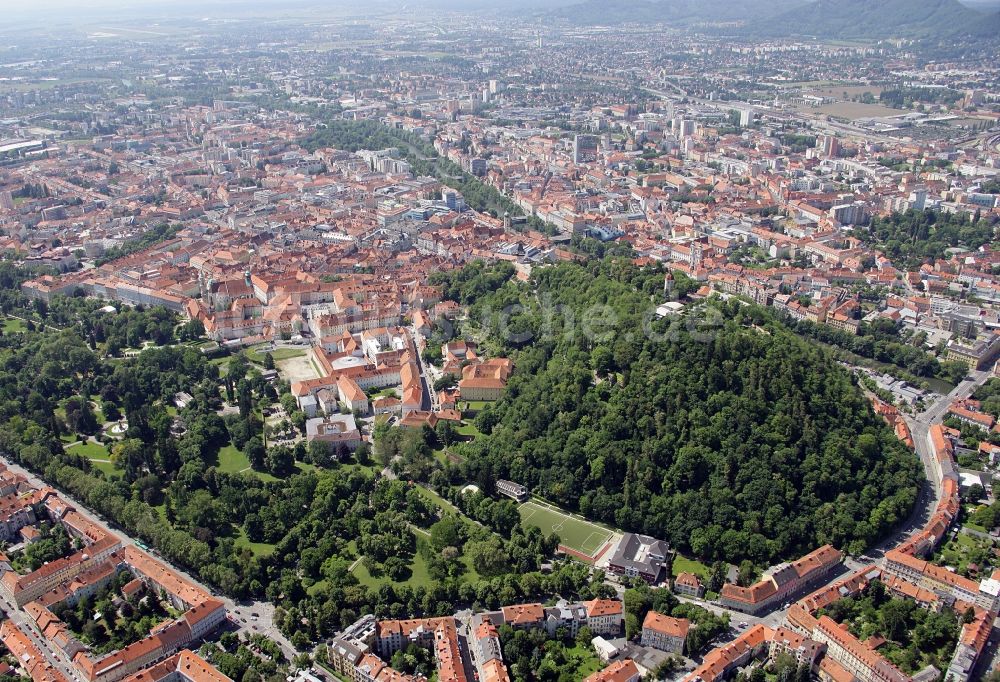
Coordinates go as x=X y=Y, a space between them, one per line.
x=682 y=564
x=419 y=577
x=258 y=548
x=314 y=589
x=300 y=468
x=354 y=466
x=471 y=575
x=98 y=456
x=469 y=430
x=232 y=460
x=438 y=500
x=471 y=408
x=13 y=325
x=439 y=455
x=278 y=354
x=223 y=365
x=583 y=661
x=107 y=467
x=90 y=450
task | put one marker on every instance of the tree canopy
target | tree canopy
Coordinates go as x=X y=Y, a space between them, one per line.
x=722 y=431
x=914 y=237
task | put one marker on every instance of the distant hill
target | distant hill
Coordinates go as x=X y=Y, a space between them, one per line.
x=675 y=12
x=846 y=19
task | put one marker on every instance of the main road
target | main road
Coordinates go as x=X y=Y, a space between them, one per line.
x=55 y=656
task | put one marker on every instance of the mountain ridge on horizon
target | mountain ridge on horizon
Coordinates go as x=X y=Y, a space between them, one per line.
x=835 y=19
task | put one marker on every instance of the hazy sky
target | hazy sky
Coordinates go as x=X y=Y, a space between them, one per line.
x=103 y=10
x=61 y=8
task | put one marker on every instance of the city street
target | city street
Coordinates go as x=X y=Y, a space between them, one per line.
x=55 y=656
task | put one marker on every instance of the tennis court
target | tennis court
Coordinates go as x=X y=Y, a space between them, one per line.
x=574 y=532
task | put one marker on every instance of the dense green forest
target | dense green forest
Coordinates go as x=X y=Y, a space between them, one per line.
x=914 y=237
x=722 y=431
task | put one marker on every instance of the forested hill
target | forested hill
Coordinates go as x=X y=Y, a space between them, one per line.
x=728 y=436
x=858 y=19
x=673 y=12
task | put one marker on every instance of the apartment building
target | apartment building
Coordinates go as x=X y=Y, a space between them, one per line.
x=604 y=617
x=939 y=580
x=719 y=663
x=665 y=633
x=524 y=616
x=485 y=380
x=184 y=666
x=439 y=635
x=16 y=512
x=22 y=589
x=866 y=664
x=972 y=643
x=782 y=582
x=72 y=578
x=689 y=585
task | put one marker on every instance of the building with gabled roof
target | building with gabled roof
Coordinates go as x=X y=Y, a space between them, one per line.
x=184 y=666
x=720 y=662
x=665 y=633
x=783 y=581
x=639 y=556
x=524 y=616
x=855 y=656
x=29 y=658
x=620 y=671
x=604 y=616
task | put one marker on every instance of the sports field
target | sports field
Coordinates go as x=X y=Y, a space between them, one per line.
x=575 y=533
